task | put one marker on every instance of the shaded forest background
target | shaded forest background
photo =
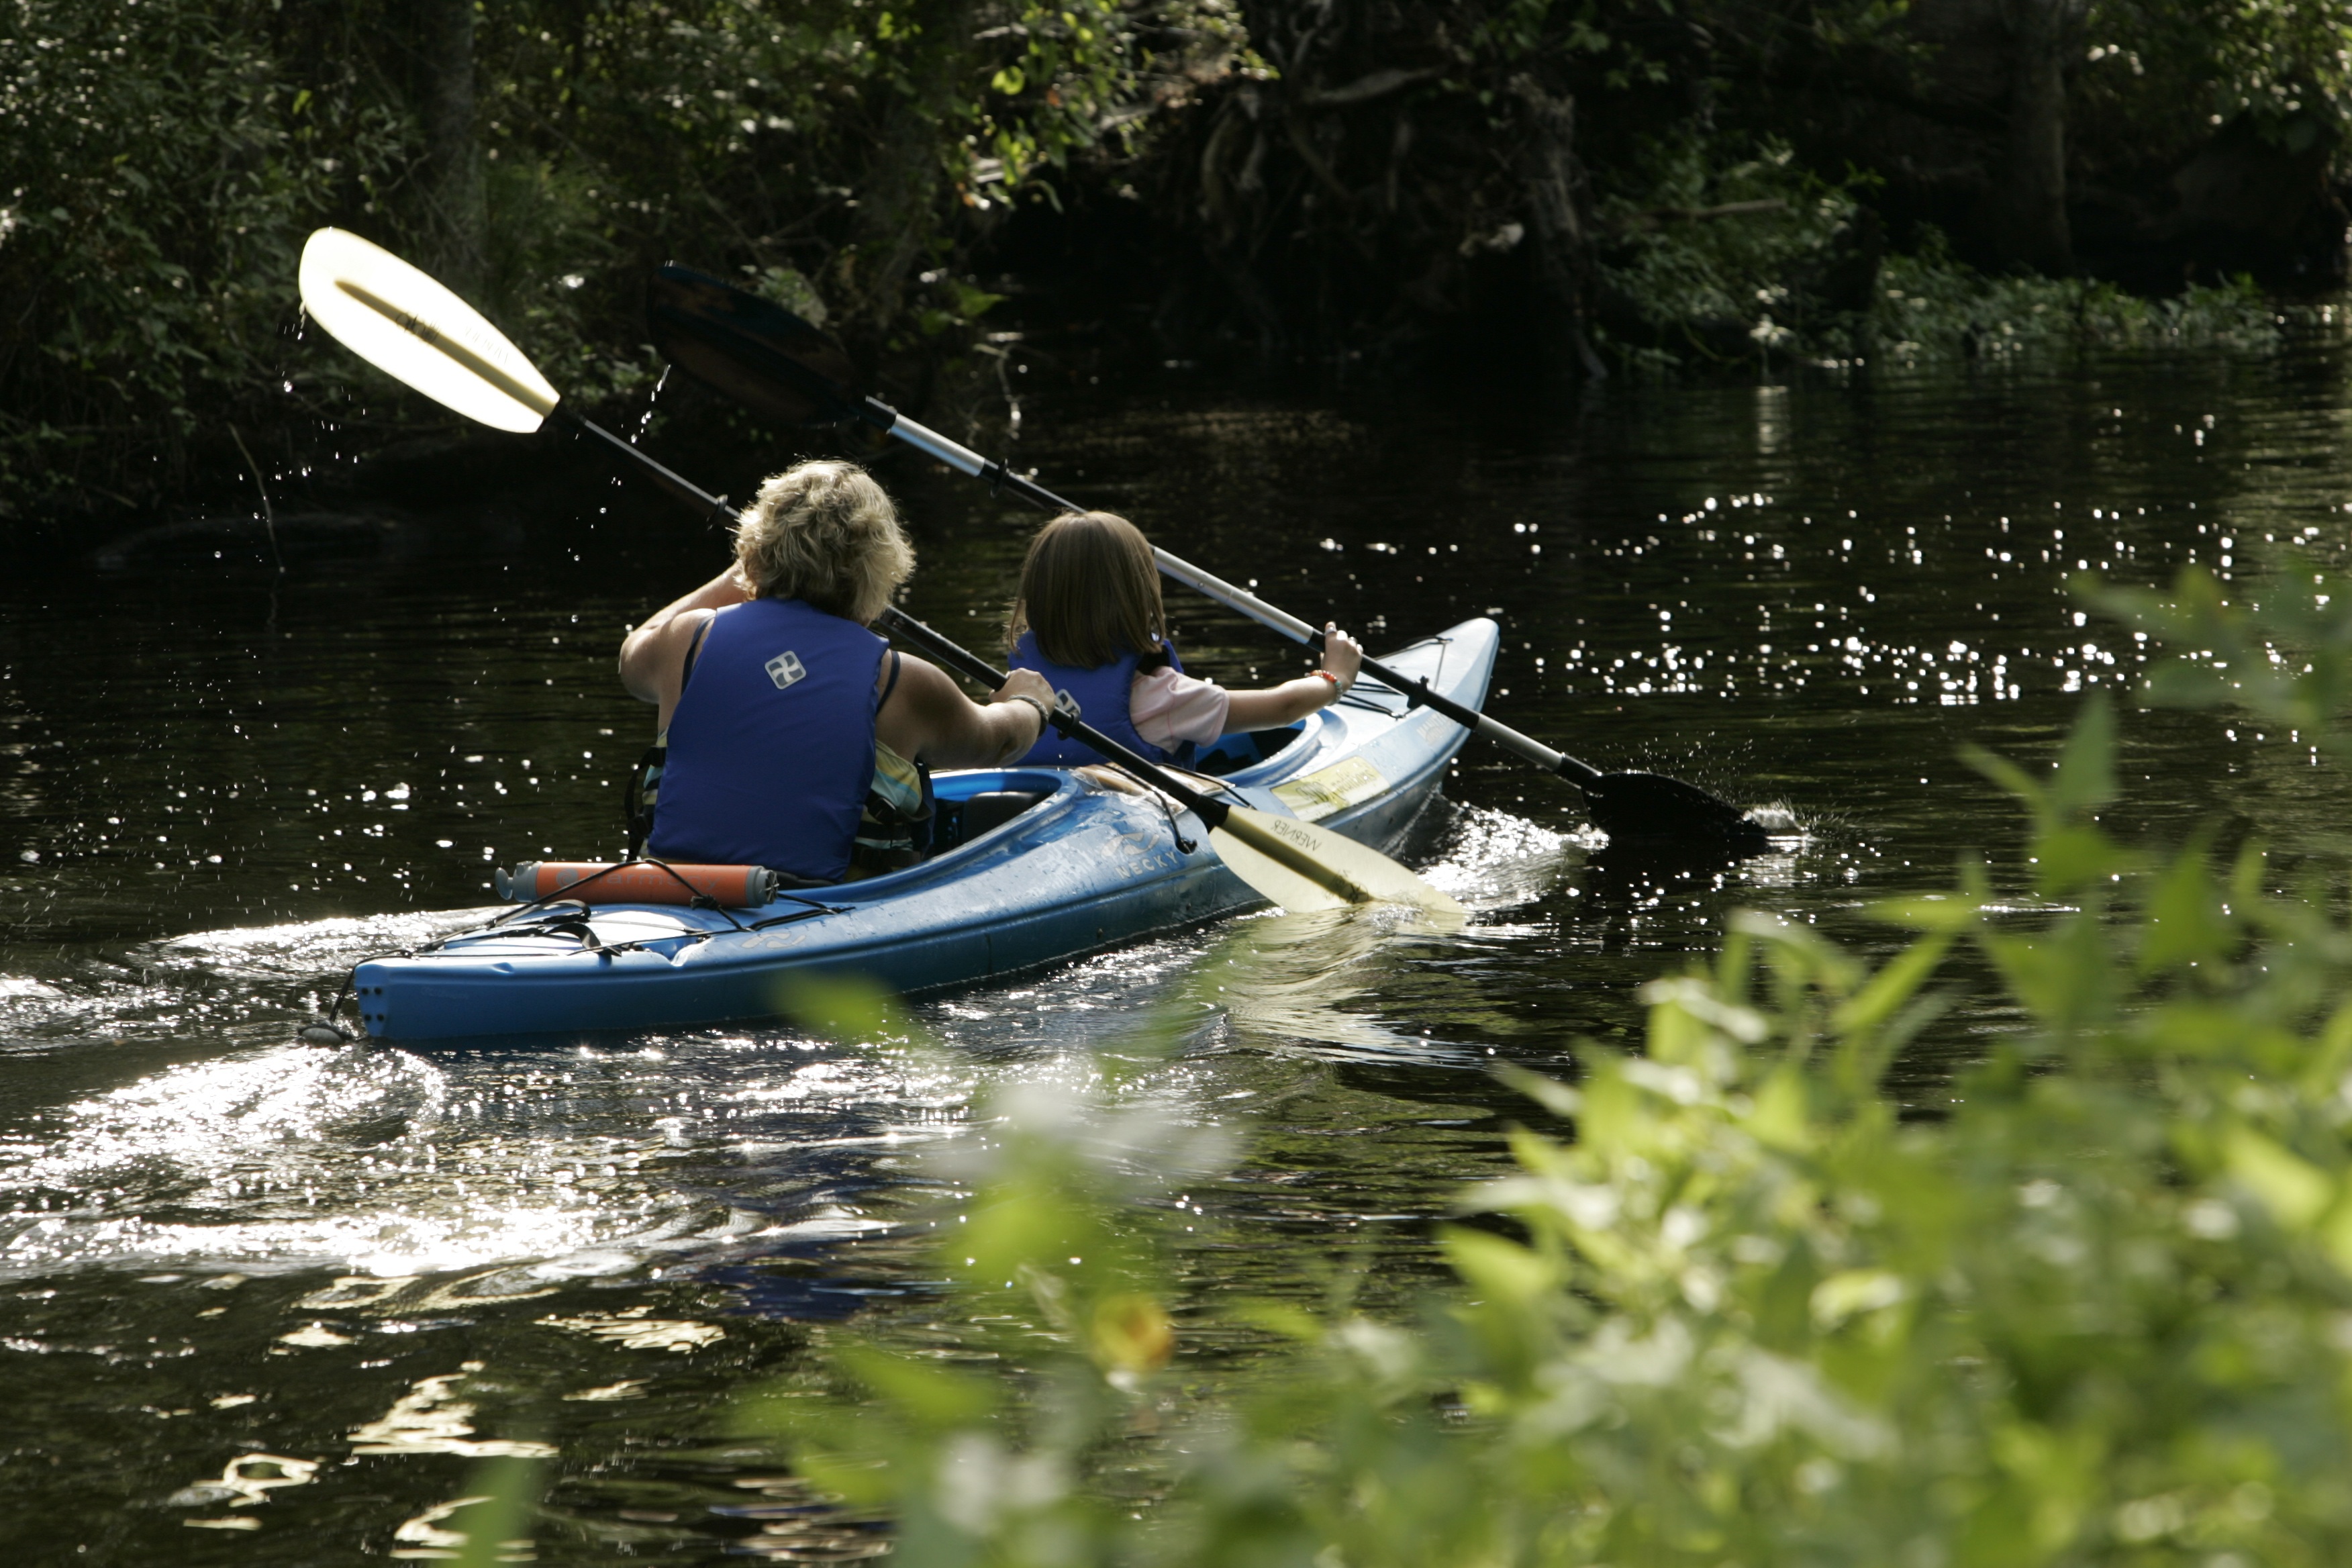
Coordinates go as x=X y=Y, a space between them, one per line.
x=1583 y=187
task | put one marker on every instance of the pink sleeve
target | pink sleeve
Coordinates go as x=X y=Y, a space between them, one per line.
x=1167 y=709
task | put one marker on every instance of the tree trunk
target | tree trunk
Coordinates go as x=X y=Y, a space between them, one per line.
x=1555 y=185
x=897 y=210
x=442 y=35
x=903 y=198
x=2029 y=208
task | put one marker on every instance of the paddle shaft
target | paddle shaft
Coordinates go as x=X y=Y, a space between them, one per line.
x=479 y=366
x=1215 y=815
x=1259 y=835
x=893 y=622
x=964 y=460
x=714 y=509
x=896 y=622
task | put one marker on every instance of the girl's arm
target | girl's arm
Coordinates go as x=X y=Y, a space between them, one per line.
x=1293 y=700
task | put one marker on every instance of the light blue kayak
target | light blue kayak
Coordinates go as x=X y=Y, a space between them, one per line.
x=1039 y=866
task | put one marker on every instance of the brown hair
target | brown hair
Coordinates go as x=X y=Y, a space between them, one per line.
x=825 y=534
x=1090 y=591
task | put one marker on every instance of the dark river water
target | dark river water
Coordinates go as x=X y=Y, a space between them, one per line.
x=268 y=1303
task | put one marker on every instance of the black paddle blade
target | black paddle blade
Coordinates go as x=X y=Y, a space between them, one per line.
x=749 y=349
x=1651 y=808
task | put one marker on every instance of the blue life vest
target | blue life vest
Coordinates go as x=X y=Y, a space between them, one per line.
x=772 y=744
x=1102 y=696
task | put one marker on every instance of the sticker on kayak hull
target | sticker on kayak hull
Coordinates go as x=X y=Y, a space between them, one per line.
x=1314 y=797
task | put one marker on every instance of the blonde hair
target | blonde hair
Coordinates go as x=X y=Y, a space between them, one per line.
x=1090 y=590
x=825 y=534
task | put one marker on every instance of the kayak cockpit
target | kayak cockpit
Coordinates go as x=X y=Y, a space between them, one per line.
x=968 y=805
x=1247 y=749
x=975 y=812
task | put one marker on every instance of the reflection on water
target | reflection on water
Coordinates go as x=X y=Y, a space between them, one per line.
x=275 y=1300
x=431 y=1420
x=1284 y=982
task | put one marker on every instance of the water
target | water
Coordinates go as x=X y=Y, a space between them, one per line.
x=272 y=1302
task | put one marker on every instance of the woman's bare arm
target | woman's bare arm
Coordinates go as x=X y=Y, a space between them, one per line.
x=652 y=655
x=929 y=719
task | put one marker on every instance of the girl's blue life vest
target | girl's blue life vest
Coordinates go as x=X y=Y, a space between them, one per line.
x=1102 y=695
x=772 y=744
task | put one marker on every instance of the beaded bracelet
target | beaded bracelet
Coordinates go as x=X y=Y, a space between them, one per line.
x=1044 y=718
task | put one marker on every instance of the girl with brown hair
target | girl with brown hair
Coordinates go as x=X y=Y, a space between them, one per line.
x=1089 y=619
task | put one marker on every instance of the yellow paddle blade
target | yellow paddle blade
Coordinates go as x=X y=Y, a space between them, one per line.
x=411 y=328
x=1305 y=868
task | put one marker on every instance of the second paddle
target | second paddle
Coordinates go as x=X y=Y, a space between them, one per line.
x=775 y=363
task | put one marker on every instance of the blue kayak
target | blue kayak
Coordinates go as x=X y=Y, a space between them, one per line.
x=1039 y=866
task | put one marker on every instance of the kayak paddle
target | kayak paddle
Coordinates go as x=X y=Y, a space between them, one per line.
x=776 y=365
x=410 y=326
x=1301 y=866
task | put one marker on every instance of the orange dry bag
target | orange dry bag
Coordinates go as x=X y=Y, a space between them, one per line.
x=637 y=882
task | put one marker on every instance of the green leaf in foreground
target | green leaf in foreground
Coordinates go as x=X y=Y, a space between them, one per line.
x=2094 y=1307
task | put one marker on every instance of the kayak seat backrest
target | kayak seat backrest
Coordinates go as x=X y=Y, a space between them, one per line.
x=995 y=807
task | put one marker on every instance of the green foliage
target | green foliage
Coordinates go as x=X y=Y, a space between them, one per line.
x=834 y=149
x=1735 y=1309
x=1930 y=309
x=158 y=176
x=1058 y=1256
x=166 y=158
x=496 y=1517
x=2282 y=63
x=1728 y=258
x=1085 y=70
x=1721 y=257
x=1626 y=39
x=2285 y=655
x=1716 y=245
x=1522 y=32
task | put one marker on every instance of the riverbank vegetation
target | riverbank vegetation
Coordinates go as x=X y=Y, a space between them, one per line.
x=1583 y=188
x=168 y=158
x=1733 y=1308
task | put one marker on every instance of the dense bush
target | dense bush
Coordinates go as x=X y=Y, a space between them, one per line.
x=1733 y=1309
x=160 y=170
x=1727 y=259
x=166 y=158
x=1930 y=309
x=1676 y=184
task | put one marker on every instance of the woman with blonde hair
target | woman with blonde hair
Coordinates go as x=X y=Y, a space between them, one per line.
x=790 y=735
x=1090 y=620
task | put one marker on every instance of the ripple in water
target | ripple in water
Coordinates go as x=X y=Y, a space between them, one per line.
x=264 y=1162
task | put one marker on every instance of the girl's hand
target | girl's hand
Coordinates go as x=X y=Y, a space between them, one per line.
x=1343 y=655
